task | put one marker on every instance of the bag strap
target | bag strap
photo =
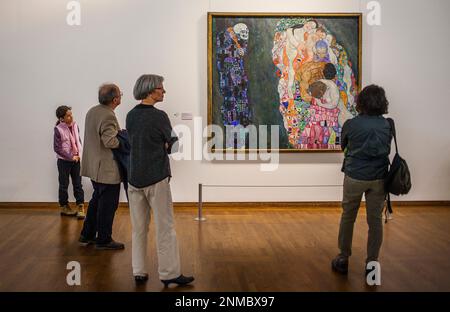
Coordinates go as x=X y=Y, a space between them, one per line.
x=388 y=209
x=392 y=124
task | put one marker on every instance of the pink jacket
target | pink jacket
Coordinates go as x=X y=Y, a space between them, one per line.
x=65 y=140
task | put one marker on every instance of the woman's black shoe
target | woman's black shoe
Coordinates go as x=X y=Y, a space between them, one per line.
x=340 y=264
x=180 y=280
x=141 y=278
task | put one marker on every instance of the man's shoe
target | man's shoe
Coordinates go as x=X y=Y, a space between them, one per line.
x=180 y=280
x=83 y=241
x=80 y=213
x=112 y=245
x=67 y=211
x=140 y=279
x=340 y=264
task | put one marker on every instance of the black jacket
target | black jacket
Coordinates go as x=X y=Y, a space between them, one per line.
x=122 y=157
x=149 y=131
x=366 y=141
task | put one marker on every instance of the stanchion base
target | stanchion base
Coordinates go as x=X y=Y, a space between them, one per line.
x=200 y=219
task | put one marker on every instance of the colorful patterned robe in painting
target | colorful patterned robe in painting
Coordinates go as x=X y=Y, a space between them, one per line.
x=235 y=110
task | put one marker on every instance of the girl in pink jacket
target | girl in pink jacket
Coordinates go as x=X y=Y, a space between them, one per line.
x=67 y=146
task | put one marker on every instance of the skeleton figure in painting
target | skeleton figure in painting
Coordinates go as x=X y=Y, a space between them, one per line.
x=231 y=48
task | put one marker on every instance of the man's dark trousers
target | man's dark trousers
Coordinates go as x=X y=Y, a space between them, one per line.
x=100 y=213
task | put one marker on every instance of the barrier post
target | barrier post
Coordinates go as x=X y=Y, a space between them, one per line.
x=200 y=203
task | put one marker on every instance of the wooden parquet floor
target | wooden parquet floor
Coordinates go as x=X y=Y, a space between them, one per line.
x=234 y=250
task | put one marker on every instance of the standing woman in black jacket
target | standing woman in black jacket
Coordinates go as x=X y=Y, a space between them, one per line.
x=152 y=140
x=366 y=141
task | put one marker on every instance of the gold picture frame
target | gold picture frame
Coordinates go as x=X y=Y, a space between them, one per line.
x=268 y=69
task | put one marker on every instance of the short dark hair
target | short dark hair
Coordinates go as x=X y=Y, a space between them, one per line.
x=62 y=110
x=107 y=93
x=372 y=101
x=329 y=71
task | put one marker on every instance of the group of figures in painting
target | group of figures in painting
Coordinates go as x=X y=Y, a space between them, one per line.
x=316 y=82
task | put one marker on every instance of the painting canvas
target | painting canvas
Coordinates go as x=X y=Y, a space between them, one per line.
x=300 y=72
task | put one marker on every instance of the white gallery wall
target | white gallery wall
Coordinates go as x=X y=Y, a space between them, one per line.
x=45 y=63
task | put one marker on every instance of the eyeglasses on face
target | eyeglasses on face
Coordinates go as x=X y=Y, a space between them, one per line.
x=119 y=96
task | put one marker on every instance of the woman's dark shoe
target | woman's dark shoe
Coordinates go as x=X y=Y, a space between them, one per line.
x=340 y=264
x=180 y=280
x=139 y=279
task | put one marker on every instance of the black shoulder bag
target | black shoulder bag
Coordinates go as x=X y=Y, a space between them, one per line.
x=398 y=179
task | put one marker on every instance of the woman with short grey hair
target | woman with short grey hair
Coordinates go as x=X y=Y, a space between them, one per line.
x=145 y=85
x=151 y=140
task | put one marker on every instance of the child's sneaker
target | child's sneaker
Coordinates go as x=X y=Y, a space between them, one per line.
x=67 y=211
x=80 y=213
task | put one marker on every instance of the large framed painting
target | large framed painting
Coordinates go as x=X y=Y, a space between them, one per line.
x=300 y=72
